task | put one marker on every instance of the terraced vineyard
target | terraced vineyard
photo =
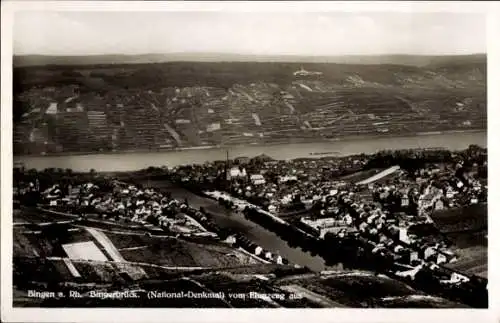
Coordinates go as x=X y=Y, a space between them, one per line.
x=468 y=228
x=360 y=289
x=65 y=252
x=175 y=105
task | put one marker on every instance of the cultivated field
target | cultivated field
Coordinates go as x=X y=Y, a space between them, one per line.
x=361 y=289
x=68 y=252
x=467 y=228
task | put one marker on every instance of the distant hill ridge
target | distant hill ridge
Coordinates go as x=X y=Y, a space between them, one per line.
x=396 y=59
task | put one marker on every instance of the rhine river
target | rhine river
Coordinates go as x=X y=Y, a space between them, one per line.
x=113 y=162
x=228 y=219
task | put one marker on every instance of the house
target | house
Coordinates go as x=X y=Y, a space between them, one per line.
x=410 y=273
x=441 y=259
x=455 y=279
x=438 y=205
x=414 y=256
x=52 y=109
x=237 y=172
x=363 y=226
x=398 y=248
x=405 y=201
x=303 y=72
x=213 y=127
x=272 y=208
x=257 y=179
x=333 y=192
x=429 y=252
x=403 y=235
x=284 y=179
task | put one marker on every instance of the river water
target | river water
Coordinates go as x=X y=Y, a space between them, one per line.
x=110 y=162
x=228 y=219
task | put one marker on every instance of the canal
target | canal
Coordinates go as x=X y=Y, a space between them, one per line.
x=228 y=219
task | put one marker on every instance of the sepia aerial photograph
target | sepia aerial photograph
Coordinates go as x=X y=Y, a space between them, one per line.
x=217 y=159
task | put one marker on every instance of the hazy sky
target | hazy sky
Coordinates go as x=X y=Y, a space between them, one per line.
x=80 y=33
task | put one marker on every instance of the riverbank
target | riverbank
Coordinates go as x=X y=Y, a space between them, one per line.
x=231 y=220
x=354 y=252
x=121 y=162
x=266 y=143
x=349 y=251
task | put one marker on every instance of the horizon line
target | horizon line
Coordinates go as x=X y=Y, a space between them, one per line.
x=249 y=54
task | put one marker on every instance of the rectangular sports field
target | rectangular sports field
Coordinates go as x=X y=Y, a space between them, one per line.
x=84 y=250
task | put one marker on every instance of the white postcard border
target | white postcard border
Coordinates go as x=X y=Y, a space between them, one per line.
x=8 y=314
